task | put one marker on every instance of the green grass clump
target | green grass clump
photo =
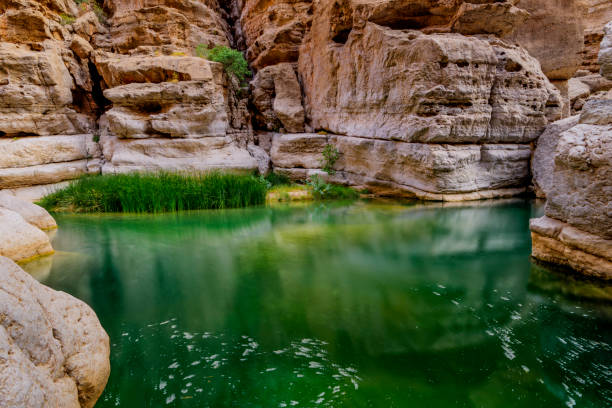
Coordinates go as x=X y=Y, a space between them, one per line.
x=326 y=191
x=157 y=192
x=277 y=179
x=67 y=19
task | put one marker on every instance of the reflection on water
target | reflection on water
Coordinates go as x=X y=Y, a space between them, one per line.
x=361 y=305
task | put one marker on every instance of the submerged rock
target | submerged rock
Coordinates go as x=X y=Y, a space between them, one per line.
x=53 y=351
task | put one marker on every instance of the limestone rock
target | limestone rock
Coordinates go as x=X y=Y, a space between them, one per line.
x=277 y=96
x=439 y=88
x=553 y=34
x=191 y=155
x=274 y=30
x=605 y=55
x=596 y=14
x=543 y=162
x=580 y=193
x=32 y=213
x=556 y=242
x=428 y=171
x=53 y=351
x=21 y=240
x=180 y=25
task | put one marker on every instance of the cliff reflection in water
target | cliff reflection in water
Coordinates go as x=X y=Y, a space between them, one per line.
x=333 y=305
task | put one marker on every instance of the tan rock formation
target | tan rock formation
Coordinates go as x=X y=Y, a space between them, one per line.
x=274 y=30
x=33 y=214
x=53 y=351
x=398 y=84
x=21 y=240
x=277 y=98
x=45 y=105
x=596 y=14
x=577 y=228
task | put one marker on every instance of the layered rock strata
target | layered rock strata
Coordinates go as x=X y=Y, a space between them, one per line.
x=419 y=99
x=46 y=126
x=53 y=351
x=577 y=228
x=171 y=110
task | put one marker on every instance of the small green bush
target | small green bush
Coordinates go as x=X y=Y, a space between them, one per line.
x=157 y=192
x=326 y=191
x=67 y=19
x=233 y=61
x=330 y=157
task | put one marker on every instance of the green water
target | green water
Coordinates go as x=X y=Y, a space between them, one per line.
x=354 y=305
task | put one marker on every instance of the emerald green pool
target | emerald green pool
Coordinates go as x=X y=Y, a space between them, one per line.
x=336 y=305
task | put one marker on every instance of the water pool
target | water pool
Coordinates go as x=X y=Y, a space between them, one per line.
x=336 y=305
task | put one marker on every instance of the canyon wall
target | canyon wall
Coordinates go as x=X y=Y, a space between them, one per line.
x=421 y=98
x=576 y=230
x=443 y=97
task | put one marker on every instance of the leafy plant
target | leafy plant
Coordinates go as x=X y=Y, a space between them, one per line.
x=322 y=190
x=330 y=157
x=157 y=192
x=67 y=19
x=233 y=61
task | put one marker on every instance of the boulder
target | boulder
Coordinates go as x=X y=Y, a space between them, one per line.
x=53 y=351
x=32 y=213
x=21 y=240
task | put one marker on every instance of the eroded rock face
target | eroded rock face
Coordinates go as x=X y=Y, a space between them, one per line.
x=577 y=228
x=45 y=108
x=398 y=84
x=171 y=110
x=53 y=351
x=277 y=98
x=597 y=13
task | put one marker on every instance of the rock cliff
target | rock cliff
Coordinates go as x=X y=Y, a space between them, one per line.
x=421 y=98
x=577 y=228
x=461 y=88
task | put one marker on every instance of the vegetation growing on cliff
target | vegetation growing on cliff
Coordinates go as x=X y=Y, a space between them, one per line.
x=156 y=193
x=233 y=61
x=330 y=157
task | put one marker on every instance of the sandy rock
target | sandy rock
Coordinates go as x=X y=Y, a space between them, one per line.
x=179 y=24
x=439 y=88
x=32 y=213
x=558 y=243
x=15 y=177
x=597 y=13
x=605 y=55
x=553 y=34
x=21 y=240
x=154 y=154
x=429 y=171
x=543 y=162
x=277 y=96
x=580 y=193
x=36 y=150
x=81 y=47
x=492 y=18
x=53 y=351
x=274 y=30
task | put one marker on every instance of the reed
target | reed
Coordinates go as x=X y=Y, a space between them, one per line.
x=157 y=192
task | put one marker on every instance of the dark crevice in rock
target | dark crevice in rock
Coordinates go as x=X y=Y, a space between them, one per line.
x=342 y=36
x=102 y=104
